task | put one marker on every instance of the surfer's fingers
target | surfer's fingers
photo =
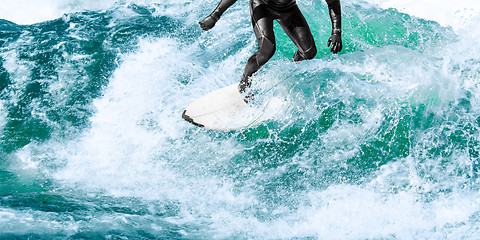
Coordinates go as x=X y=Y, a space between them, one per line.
x=329 y=42
x=207 y=23
x=202 y=24
x=205 y=27
x=332 y=49
x=335 y=48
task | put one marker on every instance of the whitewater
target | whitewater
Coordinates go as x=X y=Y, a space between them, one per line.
x=378 y=142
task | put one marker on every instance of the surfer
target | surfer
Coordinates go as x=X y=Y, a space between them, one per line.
x=292 y=21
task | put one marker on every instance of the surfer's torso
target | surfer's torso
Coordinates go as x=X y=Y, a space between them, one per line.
x=276 y=4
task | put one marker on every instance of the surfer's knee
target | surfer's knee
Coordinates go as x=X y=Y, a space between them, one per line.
x=305 y=55
x=310 y=53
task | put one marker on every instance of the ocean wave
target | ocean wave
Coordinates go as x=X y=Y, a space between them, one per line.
x=380 y=141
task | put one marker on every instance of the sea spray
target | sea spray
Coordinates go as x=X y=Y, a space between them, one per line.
x=380 y=141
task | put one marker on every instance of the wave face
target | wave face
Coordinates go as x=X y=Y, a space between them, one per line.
x=378 y=142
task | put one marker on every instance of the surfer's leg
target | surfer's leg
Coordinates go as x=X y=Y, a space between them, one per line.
x=263 y=27
x=296 y=27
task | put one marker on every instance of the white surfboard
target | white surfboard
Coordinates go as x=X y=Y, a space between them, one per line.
x=218 y=110
x=225 y=110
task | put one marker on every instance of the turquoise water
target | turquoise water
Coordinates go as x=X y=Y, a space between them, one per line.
x=378 y=142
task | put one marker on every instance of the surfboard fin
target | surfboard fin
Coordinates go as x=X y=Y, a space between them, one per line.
x=190 y=120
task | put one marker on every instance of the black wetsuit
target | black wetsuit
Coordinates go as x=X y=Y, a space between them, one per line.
x=292 y=21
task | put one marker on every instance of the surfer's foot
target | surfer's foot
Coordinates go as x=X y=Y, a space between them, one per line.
x=247 y=97
x=243 y=88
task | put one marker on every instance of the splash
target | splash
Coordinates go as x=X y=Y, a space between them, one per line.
x=380 y=141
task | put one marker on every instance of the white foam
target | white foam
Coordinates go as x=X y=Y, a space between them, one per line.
x=138 y=146
x=33 y=11
x=137 y=131
x=120 y=144
x=3 y=114
x=34 y=222
x=446 y=12
x=358 y=212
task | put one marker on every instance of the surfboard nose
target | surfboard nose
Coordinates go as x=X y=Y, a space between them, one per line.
x=190 y=120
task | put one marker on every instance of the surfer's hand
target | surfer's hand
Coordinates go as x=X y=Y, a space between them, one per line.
x=336 y=43
x=208 y=23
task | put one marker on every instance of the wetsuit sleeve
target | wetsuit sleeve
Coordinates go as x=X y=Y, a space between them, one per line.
x=335 y=12
x=221 y=8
